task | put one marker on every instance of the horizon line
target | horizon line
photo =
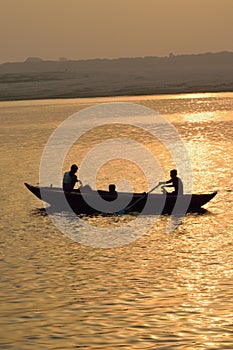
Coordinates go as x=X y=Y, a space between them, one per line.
x=38 y=59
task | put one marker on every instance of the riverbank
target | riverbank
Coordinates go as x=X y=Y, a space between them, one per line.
x=74 y=89
x=38 y=79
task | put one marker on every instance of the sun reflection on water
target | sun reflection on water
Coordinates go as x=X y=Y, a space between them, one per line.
x=200 y=117
x=164 y=291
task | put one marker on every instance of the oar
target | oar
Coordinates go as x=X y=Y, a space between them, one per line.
x=123 y=211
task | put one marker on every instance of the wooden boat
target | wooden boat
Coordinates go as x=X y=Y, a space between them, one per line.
x=137 y=202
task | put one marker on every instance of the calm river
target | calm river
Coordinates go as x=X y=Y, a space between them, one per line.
x=164 y=290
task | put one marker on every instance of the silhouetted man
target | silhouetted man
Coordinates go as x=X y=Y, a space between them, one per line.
x=70 y=179
x=175 y=182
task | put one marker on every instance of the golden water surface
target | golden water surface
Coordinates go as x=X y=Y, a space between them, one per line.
x=162 y=291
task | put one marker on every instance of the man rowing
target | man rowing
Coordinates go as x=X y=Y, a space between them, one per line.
x=70 y=179
x=174 y=182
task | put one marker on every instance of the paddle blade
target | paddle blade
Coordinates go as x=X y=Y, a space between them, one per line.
x=121 y=212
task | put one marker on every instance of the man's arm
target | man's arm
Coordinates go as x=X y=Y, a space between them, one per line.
x=166 y=182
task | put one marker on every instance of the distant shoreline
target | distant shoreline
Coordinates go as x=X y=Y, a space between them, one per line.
x=163 y=93
x=36 y=79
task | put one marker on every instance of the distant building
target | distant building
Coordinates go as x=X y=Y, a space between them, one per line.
x=33 y=60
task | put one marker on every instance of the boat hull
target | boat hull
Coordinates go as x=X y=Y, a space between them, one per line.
x=137 y=202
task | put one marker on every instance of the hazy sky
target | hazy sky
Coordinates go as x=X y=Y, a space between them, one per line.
x=81 y=29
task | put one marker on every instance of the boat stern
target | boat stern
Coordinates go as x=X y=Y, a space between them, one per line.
x=34 y=189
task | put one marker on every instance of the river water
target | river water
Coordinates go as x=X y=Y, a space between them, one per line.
x=164 y=290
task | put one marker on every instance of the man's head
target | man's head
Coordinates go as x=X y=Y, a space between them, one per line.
x=74 y=168
x=173 y=173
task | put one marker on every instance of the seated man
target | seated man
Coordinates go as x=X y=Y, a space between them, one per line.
x=112 y=189
x=70 y=179
x=175 y=182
